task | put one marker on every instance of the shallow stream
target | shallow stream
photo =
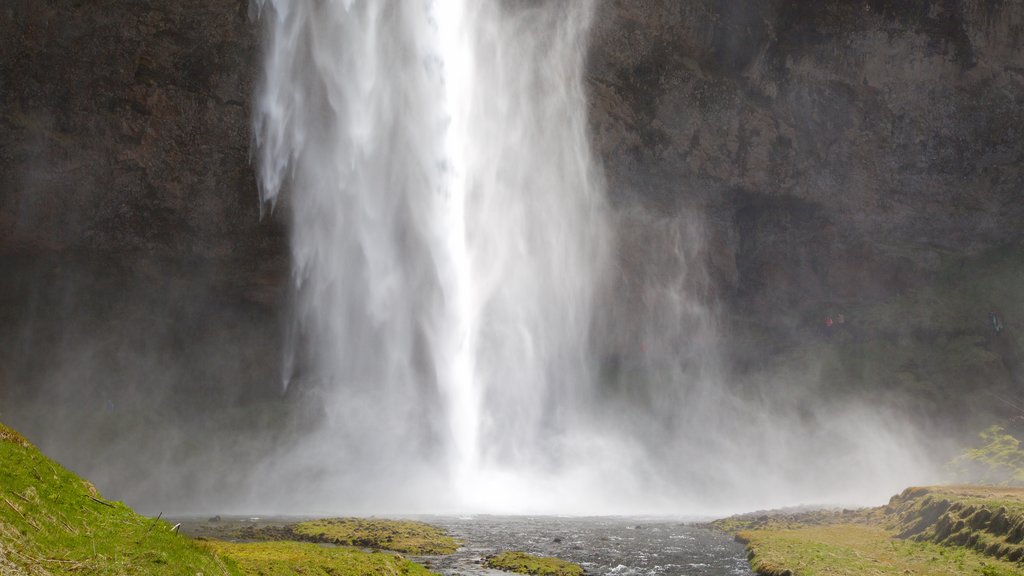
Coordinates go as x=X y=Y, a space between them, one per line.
x=604 y=546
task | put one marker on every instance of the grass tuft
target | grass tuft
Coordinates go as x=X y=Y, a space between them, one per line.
x=306 y=559
x=523 y=563
x=397 y=535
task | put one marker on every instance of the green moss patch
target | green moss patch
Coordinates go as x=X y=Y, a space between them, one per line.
x=398 y=535
x=295 y=558
x=53 y=522
x=523 y=563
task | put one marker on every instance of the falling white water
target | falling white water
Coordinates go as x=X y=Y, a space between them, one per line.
x=450 y=238
x=448 y=232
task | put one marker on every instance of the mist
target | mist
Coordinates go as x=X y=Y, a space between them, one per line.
x=461 y=280
x=473 y=278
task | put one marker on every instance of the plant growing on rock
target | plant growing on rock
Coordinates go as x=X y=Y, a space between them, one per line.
x=999 y=460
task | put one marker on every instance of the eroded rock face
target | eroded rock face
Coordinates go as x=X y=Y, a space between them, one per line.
x=845 y=145
x=139 y=289
x=836 y=149
x=126 y=126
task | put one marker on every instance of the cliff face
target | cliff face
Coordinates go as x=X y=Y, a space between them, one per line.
x=126 y=127
x=839 y=148
x=827 y=144
x=138 y=284
x=778 y=156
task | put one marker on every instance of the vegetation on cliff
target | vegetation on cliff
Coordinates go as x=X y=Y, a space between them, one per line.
x=998 y=460
x=523 y=563
x=948 y=530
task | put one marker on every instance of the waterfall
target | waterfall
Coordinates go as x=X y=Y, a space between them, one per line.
x=448 y=232
x=468 y=333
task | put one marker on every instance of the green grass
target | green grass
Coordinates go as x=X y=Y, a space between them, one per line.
x=1011 y=498
x=398 y=535
x=844 y=549
x=53 y=522
x=928 y=531
x=523 y=563
x=306 y=559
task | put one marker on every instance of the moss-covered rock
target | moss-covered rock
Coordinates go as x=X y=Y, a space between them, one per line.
x=398 y=535
x=295 y=558
x=523 y=563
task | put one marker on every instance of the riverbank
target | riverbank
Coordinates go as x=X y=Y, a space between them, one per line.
x=931 y=531
x=52 y=522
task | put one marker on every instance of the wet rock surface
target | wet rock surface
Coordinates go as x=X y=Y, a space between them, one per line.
x=832 y=148
x=126 y=127
x=838 y=148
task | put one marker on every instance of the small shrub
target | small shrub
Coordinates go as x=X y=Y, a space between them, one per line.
x=999 y=460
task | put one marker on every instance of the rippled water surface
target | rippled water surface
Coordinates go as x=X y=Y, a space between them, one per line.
x=603 y=546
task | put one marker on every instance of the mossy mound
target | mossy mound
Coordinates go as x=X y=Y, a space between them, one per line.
x=523 y=563
x=398 y=535
x=954 y=530
x=295 y=558
x=989 y=520
x=849 y=550
x=53 y=522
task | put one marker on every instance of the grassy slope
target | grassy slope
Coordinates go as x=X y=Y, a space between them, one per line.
x=523 y=563
x=53 y=522
x=988 y=520
x=398 y=535
x=950 y=530
x=850 y=549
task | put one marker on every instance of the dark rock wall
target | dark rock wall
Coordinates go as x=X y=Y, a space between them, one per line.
x=836 y=149
x=140 y=292
x=126 y=126
x=839 y=148
x=793 y=153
